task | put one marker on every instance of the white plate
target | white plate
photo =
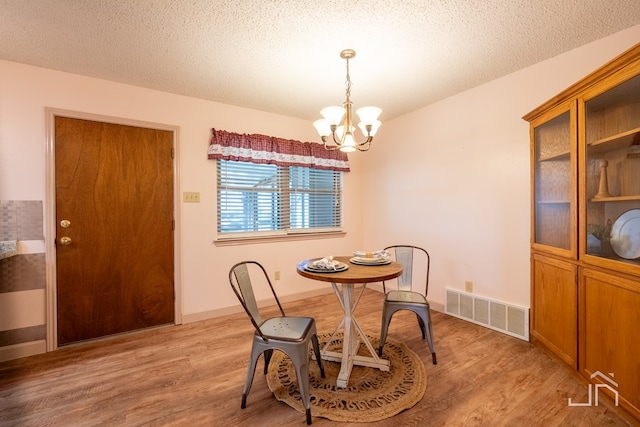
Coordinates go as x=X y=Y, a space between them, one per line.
x=340 y=267
x=369 y=261
x=625 y=235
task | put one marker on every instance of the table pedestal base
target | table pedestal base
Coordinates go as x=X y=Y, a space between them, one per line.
x=353 y=335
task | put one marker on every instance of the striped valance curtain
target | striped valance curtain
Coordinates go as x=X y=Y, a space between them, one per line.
x=265 y=149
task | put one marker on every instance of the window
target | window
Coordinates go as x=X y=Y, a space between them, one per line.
x=257 y=197
x=270 y=186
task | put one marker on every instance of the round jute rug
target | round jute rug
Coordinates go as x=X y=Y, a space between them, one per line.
x=371 y=394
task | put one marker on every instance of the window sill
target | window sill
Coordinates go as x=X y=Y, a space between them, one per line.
x=250 y=240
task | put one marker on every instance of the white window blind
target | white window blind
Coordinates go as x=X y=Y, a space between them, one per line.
x=256 y=197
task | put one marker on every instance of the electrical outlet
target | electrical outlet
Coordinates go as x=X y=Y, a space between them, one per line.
x=276 y=275
x=468 y=286
x=191 y=197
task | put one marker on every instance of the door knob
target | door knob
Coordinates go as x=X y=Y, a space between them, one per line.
x=65 y=240
x=65 y=223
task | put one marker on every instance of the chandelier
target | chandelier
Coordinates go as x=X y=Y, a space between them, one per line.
x=338 y=121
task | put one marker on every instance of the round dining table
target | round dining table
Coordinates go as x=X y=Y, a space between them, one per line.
x=343 y=284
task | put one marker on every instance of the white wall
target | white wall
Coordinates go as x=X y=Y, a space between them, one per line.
x=454 y=176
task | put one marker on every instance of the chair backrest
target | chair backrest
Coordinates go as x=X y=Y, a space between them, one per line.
x=240 y=281
x=415 y=263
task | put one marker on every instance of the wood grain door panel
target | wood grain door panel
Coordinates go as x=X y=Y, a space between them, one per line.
x=554 y=296
x=114 y=184
x=610 y=307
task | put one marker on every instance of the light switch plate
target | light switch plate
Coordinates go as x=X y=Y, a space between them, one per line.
x=191 y=197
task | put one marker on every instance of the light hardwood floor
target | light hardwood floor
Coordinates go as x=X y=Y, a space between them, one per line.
x=192 y=375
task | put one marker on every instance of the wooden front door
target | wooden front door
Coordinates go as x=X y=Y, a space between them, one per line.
x=114 y=228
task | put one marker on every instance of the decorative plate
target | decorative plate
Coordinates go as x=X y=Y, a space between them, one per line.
x=369 y=261
x=625 y=235
x=340 y=267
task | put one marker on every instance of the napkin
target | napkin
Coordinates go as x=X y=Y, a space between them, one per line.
x=380 y=254
x=326 y=263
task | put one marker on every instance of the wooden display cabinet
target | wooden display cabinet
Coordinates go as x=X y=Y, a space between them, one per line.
x=585 y=237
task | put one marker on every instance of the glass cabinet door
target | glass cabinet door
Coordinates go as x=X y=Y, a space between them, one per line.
x=554 y=182
x=612 y=173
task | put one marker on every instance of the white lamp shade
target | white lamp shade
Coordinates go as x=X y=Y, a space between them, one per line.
x=333 y=115
x=368 y=114
x=322 y=126
x=374 y=127
x=349 y=144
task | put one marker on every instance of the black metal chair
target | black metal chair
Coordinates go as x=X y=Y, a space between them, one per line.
x=406 y=296
x=291 y=335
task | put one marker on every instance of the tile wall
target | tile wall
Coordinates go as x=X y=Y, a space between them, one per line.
x=22 y=279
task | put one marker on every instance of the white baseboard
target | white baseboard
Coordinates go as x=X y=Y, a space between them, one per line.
x=17 y=351
x=225 y=311
x=36 y=347
x=436 y=306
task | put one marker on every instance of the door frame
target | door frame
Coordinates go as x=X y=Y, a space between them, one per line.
x=50 y=212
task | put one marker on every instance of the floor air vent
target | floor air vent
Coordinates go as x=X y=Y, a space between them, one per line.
x=509 y=319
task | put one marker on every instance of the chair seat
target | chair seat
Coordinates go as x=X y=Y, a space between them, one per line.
x=406 y=297
x=286 y=328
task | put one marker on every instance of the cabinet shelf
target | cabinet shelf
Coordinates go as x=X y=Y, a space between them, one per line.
x=615 y=142
x=564 y=155
x=615 y=198
x=556 y=202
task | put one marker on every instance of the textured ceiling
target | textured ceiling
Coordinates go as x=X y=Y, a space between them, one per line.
x=282 y=56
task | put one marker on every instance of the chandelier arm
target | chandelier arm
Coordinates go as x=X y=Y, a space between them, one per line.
x=335 y=141
x=330 y=147
x=361 y=148
x=366 y=141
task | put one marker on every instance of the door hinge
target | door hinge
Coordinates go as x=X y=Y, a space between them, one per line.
x=173 y=153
